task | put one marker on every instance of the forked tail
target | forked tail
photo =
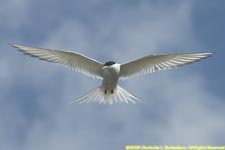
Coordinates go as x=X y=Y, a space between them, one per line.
x=98 y=95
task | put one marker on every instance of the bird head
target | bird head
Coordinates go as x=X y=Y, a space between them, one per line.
x=109 y=64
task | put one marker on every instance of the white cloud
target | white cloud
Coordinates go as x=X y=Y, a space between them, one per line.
x=193 y=120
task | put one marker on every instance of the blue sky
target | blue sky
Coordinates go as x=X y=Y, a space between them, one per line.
x=184 y=106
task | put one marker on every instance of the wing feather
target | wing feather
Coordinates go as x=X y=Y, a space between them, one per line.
x=152 y=63
x=75 y=61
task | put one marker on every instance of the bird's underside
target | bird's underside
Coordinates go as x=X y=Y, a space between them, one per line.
x=110 y=72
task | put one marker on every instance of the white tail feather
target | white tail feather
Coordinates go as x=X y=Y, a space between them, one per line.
x=119 y=95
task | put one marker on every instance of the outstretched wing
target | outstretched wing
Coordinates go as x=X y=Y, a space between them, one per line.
x=75 y=61
x=152 y=63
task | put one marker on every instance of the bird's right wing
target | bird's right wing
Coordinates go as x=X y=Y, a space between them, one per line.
x=152 y=63
x=76 y=61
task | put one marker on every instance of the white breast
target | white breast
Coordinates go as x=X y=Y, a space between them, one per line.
x=110 y=76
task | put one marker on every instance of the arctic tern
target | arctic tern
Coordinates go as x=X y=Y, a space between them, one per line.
x=110 y=72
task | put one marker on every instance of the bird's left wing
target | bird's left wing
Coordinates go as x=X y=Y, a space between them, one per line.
x=76 y=61
x=152 y=63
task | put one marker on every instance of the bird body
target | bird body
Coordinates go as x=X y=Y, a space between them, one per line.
x=110 y=72
x=110 y=77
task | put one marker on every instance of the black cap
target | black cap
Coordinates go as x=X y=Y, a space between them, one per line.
x=109 y=63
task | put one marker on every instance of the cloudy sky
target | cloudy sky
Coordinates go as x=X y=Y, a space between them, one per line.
x=184 y=106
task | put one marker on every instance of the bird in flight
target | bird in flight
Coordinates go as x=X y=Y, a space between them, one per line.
x=109 y=91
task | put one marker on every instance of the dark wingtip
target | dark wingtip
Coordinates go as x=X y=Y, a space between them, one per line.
x=211 y=54
x=13 y=45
